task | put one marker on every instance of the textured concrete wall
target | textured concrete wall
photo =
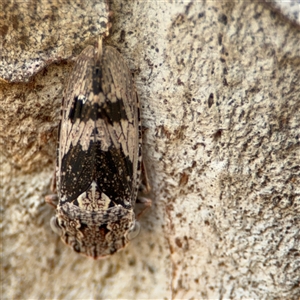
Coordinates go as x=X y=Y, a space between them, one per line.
x=219 y=90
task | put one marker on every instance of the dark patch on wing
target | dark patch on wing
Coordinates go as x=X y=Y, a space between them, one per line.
x=76 y=110
x=97 y=78
x=87 y=111
x=114 y=175
x=112 y=171
x=112 y=112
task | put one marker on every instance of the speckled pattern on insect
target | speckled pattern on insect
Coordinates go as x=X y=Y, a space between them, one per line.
x=99 y=159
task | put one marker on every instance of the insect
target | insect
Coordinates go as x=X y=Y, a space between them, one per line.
x=99 y=159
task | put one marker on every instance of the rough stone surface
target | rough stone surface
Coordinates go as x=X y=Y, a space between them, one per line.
x=290 y=9
x=35 y=34
x=219 y=89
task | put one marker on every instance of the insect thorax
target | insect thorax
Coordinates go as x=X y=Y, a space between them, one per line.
x=93 y=225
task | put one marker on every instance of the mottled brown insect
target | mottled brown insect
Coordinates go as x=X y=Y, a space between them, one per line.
x=99 y=159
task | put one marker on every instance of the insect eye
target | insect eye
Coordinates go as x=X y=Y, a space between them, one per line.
x=76 y=247
x=54 y=226
x=134 y=231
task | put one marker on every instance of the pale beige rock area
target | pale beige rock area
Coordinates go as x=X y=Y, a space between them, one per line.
x=219 y=89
